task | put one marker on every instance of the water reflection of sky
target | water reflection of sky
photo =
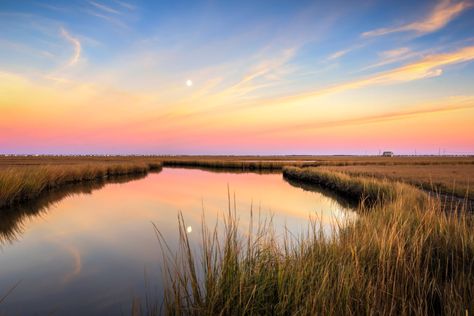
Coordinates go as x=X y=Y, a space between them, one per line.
x=89 y=254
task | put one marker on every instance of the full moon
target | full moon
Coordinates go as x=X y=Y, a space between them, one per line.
x=189 y=83
x=189 y=229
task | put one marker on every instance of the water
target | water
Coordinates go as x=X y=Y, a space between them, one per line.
x=88 y=250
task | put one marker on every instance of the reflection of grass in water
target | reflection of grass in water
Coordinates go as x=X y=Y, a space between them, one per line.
x=233 y=164
x=224 y=169
x=344 y=202
x=18 y=184
x=12 y=220
x=3 y=296
x=404 y=255
x=365 y=190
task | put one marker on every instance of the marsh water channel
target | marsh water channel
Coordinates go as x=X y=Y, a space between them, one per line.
x=91 y=249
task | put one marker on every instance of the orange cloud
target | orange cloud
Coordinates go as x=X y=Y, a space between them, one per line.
x=424 y=68
x=225 y=106
x=460 y=103
x=393 y=56
x=439 y=17
x=395 y=52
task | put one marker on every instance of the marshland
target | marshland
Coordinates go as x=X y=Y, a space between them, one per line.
x=236 y=235
x=245 y=157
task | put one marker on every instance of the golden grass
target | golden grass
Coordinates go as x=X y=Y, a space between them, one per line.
x=235 y=164
x=364 y=189
x=8 y=161
x=24 y=183
x=320 y=160
x=443 y=178
x=14 y=218
x=403 y=256
x=445 y=175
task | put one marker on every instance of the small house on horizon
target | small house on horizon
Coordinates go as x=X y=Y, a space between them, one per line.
x=387 y=154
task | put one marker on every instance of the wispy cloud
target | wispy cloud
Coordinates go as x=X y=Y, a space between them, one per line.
x=76 y=260
x=338 y=54
x=266 y=67
x=25 y=49
x=126 y=5
x=104 y=7
x=393 y=56
x=395 y=53
x=59 y=80
x=107 y=18
x=76 y=46
x=216 y=93
x=427 y=67
x=451 y=104
x=262 y=75
x=440 y=16
x=53 y=7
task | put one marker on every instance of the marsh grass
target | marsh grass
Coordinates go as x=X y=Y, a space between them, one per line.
x=234 y=164
x=455 y=179
x=403 y=256
x=14 y=218
x=368 y=191
x=19 y=184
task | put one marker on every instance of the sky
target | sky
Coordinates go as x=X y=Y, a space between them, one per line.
x=236 y=77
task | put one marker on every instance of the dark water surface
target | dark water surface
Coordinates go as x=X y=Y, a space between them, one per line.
x=87 y=250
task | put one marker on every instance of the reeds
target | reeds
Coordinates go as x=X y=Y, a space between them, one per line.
x=234 y=164
x=24 y=183
x=366 y=190
x=403 y=256
x=13 y=218
x=449 y=179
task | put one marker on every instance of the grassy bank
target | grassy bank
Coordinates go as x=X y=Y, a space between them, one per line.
x=234 y=164
x=14 y=218
x=453 y=179
x=446 y=175
x=278 y=162
x=403 y=256
x=8 y=161
x=366 y=190
x=19 y=184
x=451 y=176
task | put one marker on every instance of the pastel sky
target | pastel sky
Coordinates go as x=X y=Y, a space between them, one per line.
x=268 y=77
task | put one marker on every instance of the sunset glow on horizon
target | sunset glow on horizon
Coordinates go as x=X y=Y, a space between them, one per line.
x=279 y=77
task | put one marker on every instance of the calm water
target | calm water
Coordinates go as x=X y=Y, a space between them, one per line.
x=87 y=254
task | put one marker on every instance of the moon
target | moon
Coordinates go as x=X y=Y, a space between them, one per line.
x=189 y=83
x=189 y=229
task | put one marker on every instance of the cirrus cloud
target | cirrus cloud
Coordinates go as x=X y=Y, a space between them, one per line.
x=76 y=46
x=440 y=16
x=427 y=67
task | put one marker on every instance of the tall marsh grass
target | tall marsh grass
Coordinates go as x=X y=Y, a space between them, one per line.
x=403 y=256
x=366 y=190
x=13 y=219
x=24 y=183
